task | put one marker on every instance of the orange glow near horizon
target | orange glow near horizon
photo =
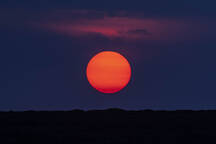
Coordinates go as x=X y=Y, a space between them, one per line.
x=108 y=72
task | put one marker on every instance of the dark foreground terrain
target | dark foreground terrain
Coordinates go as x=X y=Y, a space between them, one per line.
x=111 y=126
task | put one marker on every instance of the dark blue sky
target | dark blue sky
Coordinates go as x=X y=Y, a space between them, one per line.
x=45 y=46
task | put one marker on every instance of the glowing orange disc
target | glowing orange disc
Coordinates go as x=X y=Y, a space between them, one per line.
x=108 y=72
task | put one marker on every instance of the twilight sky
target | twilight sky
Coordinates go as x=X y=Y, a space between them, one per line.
x=45 y=47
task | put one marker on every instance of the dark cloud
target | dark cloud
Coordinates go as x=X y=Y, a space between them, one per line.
x=81 y=23
x=139 y=32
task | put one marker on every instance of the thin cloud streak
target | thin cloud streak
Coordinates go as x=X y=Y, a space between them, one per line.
x=117 y=27
x=130 y=27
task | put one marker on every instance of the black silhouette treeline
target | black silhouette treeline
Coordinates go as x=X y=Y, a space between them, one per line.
x=112 y=126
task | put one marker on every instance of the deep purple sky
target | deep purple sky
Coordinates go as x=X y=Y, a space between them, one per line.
x=45 y=46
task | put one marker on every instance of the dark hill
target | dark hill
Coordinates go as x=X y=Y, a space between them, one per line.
x=113 y=126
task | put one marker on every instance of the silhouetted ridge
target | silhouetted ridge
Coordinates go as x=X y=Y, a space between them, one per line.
x=114 y=126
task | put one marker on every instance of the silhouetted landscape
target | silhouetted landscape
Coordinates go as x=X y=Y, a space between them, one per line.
x=112 y=126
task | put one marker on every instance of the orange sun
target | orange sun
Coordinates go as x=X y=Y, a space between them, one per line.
x=108 y=72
